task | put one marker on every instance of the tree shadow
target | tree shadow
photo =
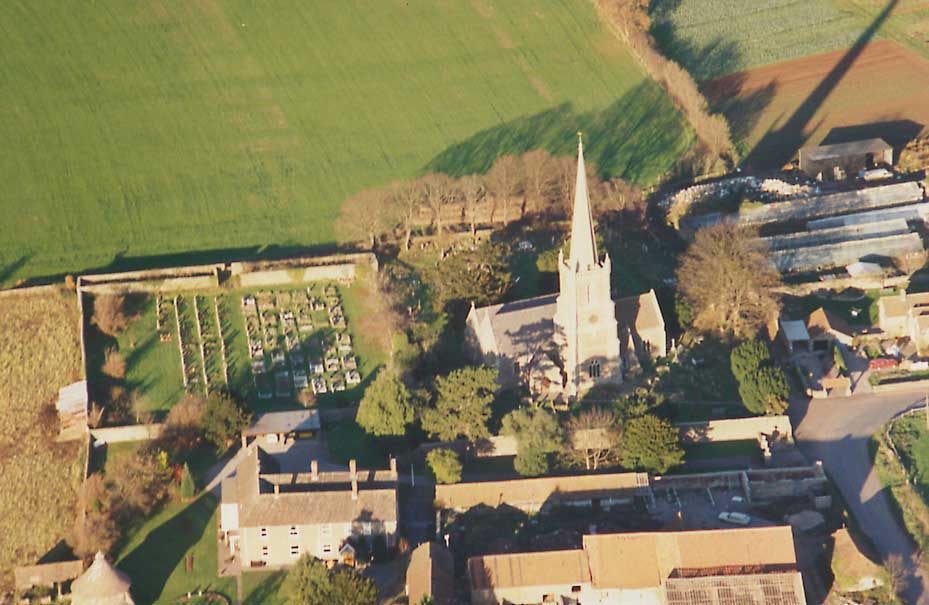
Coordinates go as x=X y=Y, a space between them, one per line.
x=8 y=271
x=267 y=590
x=630 y=138
x=151 y=563
x=778 y=144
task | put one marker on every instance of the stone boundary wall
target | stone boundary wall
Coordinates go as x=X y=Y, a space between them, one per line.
x=122 y=434
x=758 y=484
x=344 y=272
x=737 y=429
x=172 y=284
x=31 y=291
x=900 y=387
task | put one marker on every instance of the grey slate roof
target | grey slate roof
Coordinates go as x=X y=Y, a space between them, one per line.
x=302 y=501
x=521 y=327
x=284 y=422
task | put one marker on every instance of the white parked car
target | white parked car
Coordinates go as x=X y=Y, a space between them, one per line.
x=735 y=518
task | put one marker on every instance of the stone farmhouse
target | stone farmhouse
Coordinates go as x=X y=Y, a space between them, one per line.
x=561 y=345
x=269 y=520
x=756 y=565
x=905 y=315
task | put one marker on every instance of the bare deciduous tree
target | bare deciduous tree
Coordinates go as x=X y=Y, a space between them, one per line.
x=565 y=171
x=407 y=199
x=540 y=180
x=473 y=192
x=504 y=179
x=110 y=314
x=440 y=192
x=367 y=215
x=593 y=436
x=727 y=278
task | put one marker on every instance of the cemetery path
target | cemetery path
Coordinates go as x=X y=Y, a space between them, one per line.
x=837 y=432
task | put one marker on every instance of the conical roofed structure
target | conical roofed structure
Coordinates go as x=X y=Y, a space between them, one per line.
x=101 y=584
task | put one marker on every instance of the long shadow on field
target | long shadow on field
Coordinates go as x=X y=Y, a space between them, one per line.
x=635 y=138
x=8 y=271
x=778 y=145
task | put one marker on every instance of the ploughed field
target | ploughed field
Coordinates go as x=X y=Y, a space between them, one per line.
x=153 y=129
x=884 y=94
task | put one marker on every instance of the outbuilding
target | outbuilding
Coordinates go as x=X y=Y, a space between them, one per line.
x=837 y=162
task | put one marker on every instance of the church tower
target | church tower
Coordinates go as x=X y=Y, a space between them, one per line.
x=585 y=315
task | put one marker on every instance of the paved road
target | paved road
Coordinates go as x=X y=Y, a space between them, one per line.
x=837 y=431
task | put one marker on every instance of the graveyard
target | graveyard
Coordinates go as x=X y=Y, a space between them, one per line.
x=275 y=347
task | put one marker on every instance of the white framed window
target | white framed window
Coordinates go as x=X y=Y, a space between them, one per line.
x=265 y=552
x=263 y=532
x=294 y=532
x=294 y=551
x=327 y=548
x=366 y=528
x=325 y=530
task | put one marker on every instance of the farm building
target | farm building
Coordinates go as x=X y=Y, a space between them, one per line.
x=837 y=162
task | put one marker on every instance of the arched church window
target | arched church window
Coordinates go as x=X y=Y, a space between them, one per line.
x=594 y=369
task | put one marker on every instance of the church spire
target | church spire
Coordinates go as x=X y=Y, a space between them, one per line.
x=583 y=244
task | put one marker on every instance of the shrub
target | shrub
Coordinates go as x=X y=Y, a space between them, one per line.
x=445 y=465
x=114 y=365
x=224 y=419
x=765 y=391
x=110 y=314
x=748 y=357
x=531 y=462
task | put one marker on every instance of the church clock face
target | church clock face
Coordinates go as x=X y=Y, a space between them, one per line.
x=593 y=319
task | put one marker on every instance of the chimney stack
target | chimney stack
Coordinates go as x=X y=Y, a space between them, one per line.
x=352 y=468
x=314 y=470
x=354 y=488
x=277 y=489
x=393 y=466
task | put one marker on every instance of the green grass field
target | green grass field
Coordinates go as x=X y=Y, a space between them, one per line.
x=715 y=37
x=138 y=134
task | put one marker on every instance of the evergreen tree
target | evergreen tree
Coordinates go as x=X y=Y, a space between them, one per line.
x=188 y=488
x=386 y=408
x=445 y=465
x=651 y=444
x=462 y=405
x=224 y=419
x=538 y=434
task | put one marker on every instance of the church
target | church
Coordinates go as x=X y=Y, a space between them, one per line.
x=560 y=345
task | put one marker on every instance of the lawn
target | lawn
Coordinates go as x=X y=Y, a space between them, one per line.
x=140 y=133
x=154 y=554
x=39 y=353
x=153 y=367
x=723 y=449
x=711 y=38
